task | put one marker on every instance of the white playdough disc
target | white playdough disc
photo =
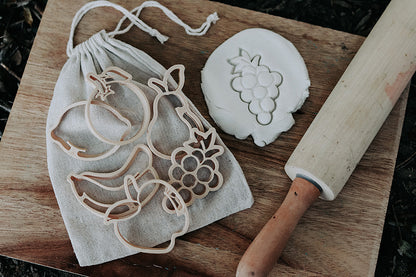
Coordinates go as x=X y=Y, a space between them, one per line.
x=252 y=84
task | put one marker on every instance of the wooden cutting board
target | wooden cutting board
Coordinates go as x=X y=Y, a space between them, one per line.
x=334 y=238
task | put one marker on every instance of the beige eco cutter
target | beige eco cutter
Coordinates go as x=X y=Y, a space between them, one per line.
x=194 y=169
x=103 y=89
x=103 y=209
x=183 y=112
x=180 y=209
x=80 y=152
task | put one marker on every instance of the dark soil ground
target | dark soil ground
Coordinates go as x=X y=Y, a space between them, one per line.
x=19 y=20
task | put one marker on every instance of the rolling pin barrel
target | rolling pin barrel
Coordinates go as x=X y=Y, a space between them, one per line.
x=343 y=129
x=360 y=102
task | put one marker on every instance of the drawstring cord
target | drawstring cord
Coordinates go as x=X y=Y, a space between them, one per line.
x=202 y=30
x=136 y=21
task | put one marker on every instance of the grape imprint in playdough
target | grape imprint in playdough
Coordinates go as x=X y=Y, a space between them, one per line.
x=252 y=84
x=257 y=85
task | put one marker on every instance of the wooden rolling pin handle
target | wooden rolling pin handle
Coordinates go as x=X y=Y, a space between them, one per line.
x=264 y=251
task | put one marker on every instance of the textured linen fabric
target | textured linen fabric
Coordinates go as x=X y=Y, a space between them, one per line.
x=92 y=240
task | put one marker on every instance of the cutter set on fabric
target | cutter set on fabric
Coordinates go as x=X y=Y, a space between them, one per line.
x=194 y=170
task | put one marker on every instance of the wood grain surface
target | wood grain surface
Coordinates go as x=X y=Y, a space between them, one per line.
x=333 y=238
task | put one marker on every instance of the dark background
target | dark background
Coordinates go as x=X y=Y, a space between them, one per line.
x=19 y=20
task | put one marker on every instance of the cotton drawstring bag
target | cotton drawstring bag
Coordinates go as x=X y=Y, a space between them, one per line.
x=132 y=162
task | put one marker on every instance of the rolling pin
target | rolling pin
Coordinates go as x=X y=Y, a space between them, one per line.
x=340 y=134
